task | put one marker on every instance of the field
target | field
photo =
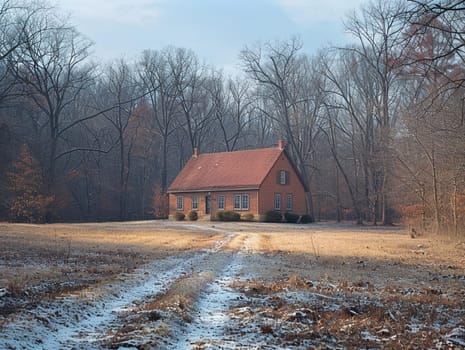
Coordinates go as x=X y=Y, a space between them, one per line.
x=202 y=285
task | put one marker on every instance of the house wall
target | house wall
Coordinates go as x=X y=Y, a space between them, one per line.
x=188 y=203
x=229 y=202
x=270 y=186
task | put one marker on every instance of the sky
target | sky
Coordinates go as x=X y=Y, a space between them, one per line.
x=216 y=30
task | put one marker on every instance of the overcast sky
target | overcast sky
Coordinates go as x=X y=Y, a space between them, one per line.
x=215 y=29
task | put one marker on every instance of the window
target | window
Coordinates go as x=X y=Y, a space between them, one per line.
x=277 y=201
x=180 y=203
x=289 y=201
x=237 y=202
x=283 y=177
x=221 y=202
x=195 y=202
x=245 y=202
x=241 y=202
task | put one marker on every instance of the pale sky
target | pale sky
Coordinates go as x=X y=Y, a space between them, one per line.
x=216 y=30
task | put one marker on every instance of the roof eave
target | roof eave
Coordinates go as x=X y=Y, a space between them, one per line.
x=214 y=189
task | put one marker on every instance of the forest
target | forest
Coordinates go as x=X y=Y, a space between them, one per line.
x=375 y=128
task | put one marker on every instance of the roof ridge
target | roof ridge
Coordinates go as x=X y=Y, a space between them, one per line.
x=243 y=150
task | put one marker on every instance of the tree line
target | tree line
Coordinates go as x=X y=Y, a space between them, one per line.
x=375 y=128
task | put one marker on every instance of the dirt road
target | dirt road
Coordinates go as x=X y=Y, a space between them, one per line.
x=239 y=286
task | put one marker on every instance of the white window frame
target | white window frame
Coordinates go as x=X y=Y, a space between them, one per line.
x=289 y=201
x=179 y=202
x=221 y=202
x=241 y=201
x=277 y=201
x=195 y=202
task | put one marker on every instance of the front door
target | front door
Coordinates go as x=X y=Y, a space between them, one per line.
x=208 y=200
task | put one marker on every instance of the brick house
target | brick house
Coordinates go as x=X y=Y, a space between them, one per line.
x=248 y=182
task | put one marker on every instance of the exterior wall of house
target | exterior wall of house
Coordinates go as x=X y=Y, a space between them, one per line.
x=229 y=202
x=214 y=203
x=188 y=203
x=271 y=186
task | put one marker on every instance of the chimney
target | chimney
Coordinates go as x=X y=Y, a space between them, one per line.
x=281 y=144
x=196 y=152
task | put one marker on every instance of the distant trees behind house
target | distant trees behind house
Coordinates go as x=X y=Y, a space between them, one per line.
x=375 y=129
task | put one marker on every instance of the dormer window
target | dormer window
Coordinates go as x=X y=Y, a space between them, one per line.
x=283 y=177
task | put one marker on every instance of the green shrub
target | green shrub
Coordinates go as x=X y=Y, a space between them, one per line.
x=306 y=219
x=228 y=216
x=247 y=217
x=273 y=216
x=178 y=216
x=192 y=215
x=291 y=217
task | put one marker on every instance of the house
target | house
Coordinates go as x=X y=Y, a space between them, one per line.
x=248 y=182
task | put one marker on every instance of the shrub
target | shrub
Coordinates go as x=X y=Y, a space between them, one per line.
x=291 y=217
x=306 y=219
x=178 y=216
x=247 y=217
x=228 y=216
x=192 y=215
x=273 y=216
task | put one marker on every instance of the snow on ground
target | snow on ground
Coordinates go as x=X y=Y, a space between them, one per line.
x=210 y=320
x=246 y=294
x=81 y=320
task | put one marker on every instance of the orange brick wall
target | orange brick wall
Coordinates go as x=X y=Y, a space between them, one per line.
x=229 y=202
x=270 y=187
x=188 y=202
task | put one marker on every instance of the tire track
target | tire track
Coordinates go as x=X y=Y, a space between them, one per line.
x=83 y=320
x=208 y=328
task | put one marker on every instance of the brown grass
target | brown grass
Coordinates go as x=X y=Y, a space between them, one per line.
x=45 y=256
x=382 y=280
x=364 y=244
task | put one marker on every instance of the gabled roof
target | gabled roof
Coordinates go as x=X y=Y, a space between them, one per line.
x=239 y=169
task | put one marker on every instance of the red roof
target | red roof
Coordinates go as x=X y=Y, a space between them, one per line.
x=240 y=169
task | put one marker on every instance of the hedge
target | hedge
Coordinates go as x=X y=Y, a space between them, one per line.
x=273 y=216
x=192 y=215
x=291 y=217
x=228 y=216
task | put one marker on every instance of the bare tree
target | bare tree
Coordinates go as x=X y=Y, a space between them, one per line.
x=190 y=81
x=52 y=70
x=121 y=88
x=444 y=16
x=158 y=82
x=232 y=108
x=434 y=117
x=285 y=76
x=378 y=29
x=17 y=28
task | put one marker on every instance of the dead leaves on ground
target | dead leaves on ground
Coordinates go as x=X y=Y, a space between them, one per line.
x=295 y=312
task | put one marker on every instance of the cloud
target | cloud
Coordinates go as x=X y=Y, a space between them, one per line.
x=134 y=12
x=314 y=11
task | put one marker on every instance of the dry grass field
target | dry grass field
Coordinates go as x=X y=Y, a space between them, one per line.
x=207 y=285
x=43 y=261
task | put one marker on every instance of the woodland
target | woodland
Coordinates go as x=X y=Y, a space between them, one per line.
x=375 y=128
